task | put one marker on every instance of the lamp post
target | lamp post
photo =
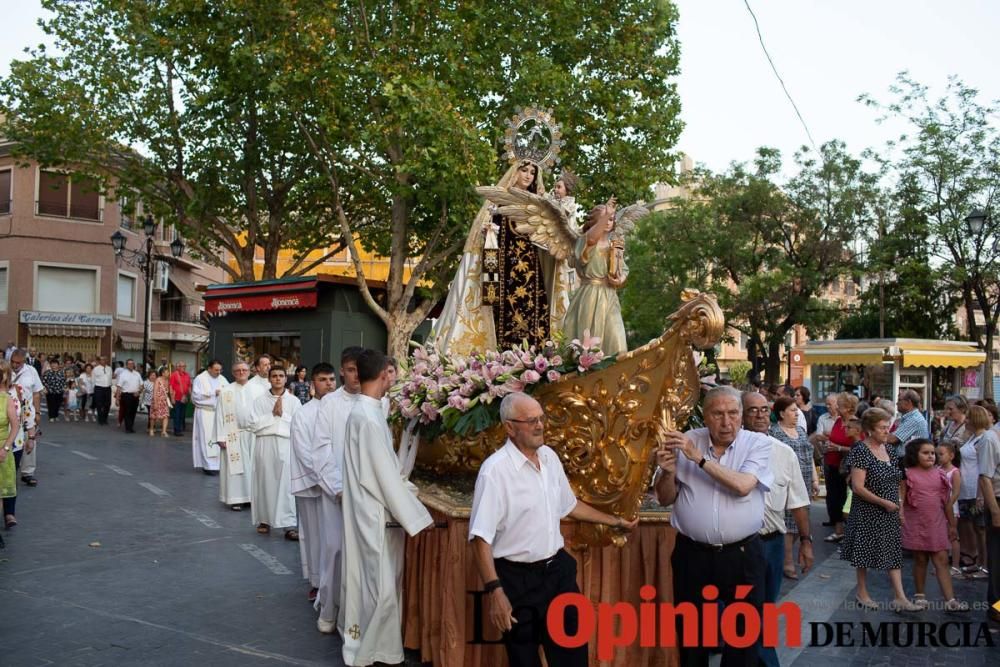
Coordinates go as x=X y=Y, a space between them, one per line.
x=143 y=260
x=976 y=221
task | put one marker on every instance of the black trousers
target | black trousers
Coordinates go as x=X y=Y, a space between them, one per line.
x=531 y=587
x=836 y=492
x=102 y=403
x=992 y=557
x=696 y=567
x=129 y=405
x=54 y=402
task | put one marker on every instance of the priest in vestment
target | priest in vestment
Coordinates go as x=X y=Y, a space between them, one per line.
x=328 y=461
x=235 y=439
x=271 y=501
x=204 y=394
x=304 y=480
x=259 y=375
x=374 y=495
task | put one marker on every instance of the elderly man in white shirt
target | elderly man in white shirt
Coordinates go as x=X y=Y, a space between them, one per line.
x=101 y=375
x=521 y=495
x=129 y=387
x=716 y=478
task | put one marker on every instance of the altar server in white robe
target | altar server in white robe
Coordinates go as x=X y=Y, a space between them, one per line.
x=271 y=499
x=328 y=459
x=235 y=439
x=374 y=495
x=204 y=394
x=305 y=481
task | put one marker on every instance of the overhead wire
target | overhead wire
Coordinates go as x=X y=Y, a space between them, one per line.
x=774 y=69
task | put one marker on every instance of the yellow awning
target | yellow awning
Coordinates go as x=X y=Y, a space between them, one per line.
x=918 y=358
x=863 y=357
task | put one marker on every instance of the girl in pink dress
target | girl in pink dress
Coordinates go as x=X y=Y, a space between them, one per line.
x=949 y=458
x=928 y=520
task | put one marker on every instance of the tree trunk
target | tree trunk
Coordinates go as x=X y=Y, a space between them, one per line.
x=988 y=364
x=772 y=367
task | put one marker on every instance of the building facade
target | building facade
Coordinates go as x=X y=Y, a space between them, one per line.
x=63 y=290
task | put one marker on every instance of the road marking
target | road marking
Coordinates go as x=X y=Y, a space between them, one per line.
x=49 y=444
x=120 y=471
x=204 y=519
x=155 y=489
x=269 y=561
x=84 y=455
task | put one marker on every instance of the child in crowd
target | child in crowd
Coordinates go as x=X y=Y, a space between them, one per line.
x=72 y=401
x=928 y=517
x=856 y=434
x=949 y=458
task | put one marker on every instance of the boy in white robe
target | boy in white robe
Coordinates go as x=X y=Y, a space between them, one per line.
x=271 y=499
x=204 y=393
x=305 y=482
x=374 y=495
x=328 y=461
x=235 y=439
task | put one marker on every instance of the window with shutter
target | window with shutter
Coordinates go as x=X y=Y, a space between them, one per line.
x=5 y=191
x=3 y=289
x=85 y=200
x=53 y=193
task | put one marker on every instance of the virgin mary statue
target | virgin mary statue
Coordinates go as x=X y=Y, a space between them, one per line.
x=521 y=292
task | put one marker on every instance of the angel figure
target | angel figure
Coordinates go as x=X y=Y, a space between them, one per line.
x=597 y=253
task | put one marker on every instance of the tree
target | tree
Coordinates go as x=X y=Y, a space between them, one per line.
x=403 y=105
x=906 y=296
x=950 y=158
x=171 y=103
x=766 y=249
x=298 y=123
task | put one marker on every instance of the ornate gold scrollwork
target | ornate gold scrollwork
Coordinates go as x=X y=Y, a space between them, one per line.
x=605 y=425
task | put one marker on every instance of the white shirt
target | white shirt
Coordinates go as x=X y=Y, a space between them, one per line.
x=825 y=423
x=118 y=373
x=788 y=490
x=28 y=378
x=800 y=420
x=101 y=376
x=130 y=382
x=517 y=508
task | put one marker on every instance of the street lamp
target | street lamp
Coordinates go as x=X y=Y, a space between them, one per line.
x=976 y=220
x=144 y=261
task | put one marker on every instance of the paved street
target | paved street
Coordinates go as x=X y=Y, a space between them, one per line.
x=174 y=578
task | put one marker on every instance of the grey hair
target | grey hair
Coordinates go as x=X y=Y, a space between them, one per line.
x=887 y=405
x=239 y=363
x=509 y=402
x=912 y=396
x=724 y=391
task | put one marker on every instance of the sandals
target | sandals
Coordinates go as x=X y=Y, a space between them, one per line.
x=957 y=572
x=790 y=573
x=954 y=605
x=236 y=508
x=9 y=521
x=833 y=537
x=904 y=606
x=263 y=529
x=29 y=480
x=920 y=600
x=292 y=535
x=866 y=605
x=979 y=572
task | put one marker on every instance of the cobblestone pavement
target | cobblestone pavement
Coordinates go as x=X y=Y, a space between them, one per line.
x=124 y=556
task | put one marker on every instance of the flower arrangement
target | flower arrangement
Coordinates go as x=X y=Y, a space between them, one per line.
x=460 y=393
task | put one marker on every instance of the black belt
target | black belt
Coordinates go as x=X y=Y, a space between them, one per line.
x=718 y=547
x=538 y=565
x=767 y=537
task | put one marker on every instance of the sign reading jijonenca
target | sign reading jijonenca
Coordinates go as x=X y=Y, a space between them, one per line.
x=75 y=319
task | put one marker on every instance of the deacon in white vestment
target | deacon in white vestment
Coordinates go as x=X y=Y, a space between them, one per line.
x=204 y=394
x=305 y=482
x=374 y=495
x=234 y=438
x=271 y=499
x=328 y=461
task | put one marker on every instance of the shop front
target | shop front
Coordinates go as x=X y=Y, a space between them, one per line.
x=52 y=333
x=882 y=367
x=298 y=321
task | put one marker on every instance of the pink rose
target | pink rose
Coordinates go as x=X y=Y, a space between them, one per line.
x=556 y=360
x=553 y=376
x=541 y=363
x=430 y=412
x=514 y=385
x=530 y=376
x=587 y=359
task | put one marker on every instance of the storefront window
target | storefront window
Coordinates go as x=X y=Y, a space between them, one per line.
x=284 y=349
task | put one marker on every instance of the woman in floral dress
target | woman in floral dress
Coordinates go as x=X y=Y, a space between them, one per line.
x=159 y=409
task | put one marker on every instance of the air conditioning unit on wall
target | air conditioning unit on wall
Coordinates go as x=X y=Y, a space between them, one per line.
x=161 y=277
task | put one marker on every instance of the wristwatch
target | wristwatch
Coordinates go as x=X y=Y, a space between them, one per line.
x=805 y=538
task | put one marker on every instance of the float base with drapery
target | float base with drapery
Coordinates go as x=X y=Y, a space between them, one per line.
x=605 y=425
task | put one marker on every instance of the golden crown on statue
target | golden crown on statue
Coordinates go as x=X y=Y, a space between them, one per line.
x=533 y=134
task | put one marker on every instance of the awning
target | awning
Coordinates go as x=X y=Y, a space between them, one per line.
x=917 y=358
x=266 y=295
x=855 y=357
x=185 y=287
x=70 y=330
x=130 y=342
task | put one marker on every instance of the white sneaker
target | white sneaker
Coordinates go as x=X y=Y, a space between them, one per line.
x=326 y=627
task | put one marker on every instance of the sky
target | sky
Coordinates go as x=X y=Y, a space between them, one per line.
x=827 y=51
